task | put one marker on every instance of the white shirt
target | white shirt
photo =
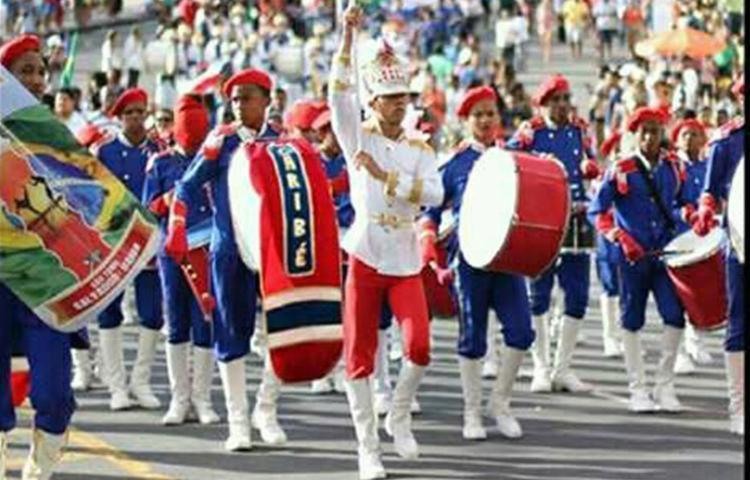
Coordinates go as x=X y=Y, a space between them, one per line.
x=133 y=52
x=391 y=249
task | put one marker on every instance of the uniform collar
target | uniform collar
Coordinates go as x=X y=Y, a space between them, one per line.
x=124 y=140
x=478 y=146
x=372 y=125
x=682 y=155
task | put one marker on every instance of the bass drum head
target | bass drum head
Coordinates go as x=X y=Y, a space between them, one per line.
x=244 y=207
x=694 y=248
x=736 y=211
x=488 y=207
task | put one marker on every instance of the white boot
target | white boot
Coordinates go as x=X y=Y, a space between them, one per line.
x=381 y=384
x=140 y=376
x=179 y=383
x=396 y=351
x=266 y=404
x=46 y=450
x=499 y=404
x=664 y=394
x=259 y=340
x=3 y=454
x=735 y=364
x=491 y=360
x=234 y=385
x=471 y=384
x=695 y=346
x=200 y=396
x=322 y=385
x=113 y=365
x=683 y=365
x=610 y=326
x=398 y=420
x=359 y=395
x=82 y=371
x=540 y=381
x=128 y=306
x=563 y=378
x=640 y=401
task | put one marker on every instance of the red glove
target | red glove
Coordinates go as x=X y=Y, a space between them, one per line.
x=444 y=275
x=688 y=214
x=704 y=219
x=160 y=205
x=208 y=303
x=630 y=246
x=605 y=224
x=176 y=245
x=590 y=169
x=211 y=147
x=427 y=237
x=339 y=184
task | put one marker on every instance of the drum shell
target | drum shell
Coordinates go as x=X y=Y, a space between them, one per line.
x=701 y=287
x=538 y=227
x=441 y=299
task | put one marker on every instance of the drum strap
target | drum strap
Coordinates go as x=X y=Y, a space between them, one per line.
x=655 y=195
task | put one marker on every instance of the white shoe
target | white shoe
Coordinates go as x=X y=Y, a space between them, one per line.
x=471 y=385
x=508 y=426
x=113 y=367
x=370 y=465
x=489 y=368
x=695 y=346
x=612 y=348
x=404 y=443
x=359 y=396
x=82 y=371
x=540 y=382
x=177 y=413
x=200 y=395
x=46 y=450
x=563 y=378
x=640 y=402
x=266 y=403
x=321 y=386
x=683 y=365
x=737 y=425
x=234 y=385
x=415 y=407
x=381 y=403
x=140 y=377
x=179 y=383
x=666 y=400
x=398 y=420
x=569 y=382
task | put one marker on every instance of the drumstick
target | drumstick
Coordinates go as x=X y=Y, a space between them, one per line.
x=665 y=253
x=434 y=266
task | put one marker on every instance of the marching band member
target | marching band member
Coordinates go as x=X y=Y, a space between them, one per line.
x=47 y=350
x=481 y=290
x=606 y=270
x=633 y=208
x=126 y=155
x=234 y=286
x=725 y=151
x=391 y=178
x=564 y=136
x=183 y=315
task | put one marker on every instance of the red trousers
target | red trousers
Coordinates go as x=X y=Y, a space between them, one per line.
x=366 y=290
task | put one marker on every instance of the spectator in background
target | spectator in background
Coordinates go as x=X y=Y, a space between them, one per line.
x=65 y=110
x=607 y=25
x=545 y=24
x=134 y=56
x=521 y=27
x=505 y=37
x=111 y=53
x=634 y=23
x=576 y=18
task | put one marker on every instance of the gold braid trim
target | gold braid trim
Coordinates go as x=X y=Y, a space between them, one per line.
x=344 y=59
x=391 y=182
x=415 y=194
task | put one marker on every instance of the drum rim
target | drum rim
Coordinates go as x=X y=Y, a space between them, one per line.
x=735 y=234
x=675 y=261
x=568 y=213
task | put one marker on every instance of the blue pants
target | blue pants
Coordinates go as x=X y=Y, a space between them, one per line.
x=637 y=280
x=606 y=267
x=48 y=353
x=181 y=307
x=506 y=294
x=572 y=271
x=735 y=336
x=148 y=304
x=235 y=291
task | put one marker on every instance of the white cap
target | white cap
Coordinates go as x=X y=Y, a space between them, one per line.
x=386 y=73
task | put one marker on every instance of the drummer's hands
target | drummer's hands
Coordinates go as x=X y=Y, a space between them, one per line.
x=364 y=159
x=212 y=145
x=704 y=219
x=630 y=247
x=590 y=169
x=352 y=17
x=444 y=275
x=176 y=245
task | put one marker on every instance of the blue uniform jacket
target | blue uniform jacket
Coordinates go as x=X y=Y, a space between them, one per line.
x=342 y=202
x=725 y=151
x=126 y=161
x=695 y=177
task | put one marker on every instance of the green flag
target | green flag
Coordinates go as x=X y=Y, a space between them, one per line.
x=66 y=78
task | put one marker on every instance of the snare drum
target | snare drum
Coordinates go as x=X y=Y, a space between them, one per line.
x=696 y=266
x=736 y=211
x=196 y=267
x=514 y=213
x=441 y=299
x=244 y=206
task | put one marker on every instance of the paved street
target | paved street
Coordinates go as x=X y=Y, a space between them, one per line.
x=567 y=437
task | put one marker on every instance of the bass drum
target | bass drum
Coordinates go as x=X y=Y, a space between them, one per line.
x=736 y=211
x=244 y=206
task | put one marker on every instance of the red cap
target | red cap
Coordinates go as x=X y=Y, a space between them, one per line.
x=322 y=120
x=610 y=143
x=13 y=49
x=250 y=76
x=190 y=122
x=131 y=95
x=554 y=84
x=738 y=89
x=686 y=123
x=472 y=97
x=303 y=113
x=89 y=135
x=645 y=114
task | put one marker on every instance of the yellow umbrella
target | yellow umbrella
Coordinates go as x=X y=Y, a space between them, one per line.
x=681 y=41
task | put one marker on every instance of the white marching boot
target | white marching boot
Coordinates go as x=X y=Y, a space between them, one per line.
x=491 y=359
x=359 y=395
x=610 y=326
x=695 y=346
x=381 y=384
x=113 y=365
x=471 y=384
x=46 y=450
x=266 y=403
x=683 y=364
x=82 y=370
x=735 y=364
x=3 y=454
x=234 y=385
x=640 y=401
x=563 y=378
x=396 y=351
x=200 y=395
x=140 y=376
x=128 y=306
x=540 y=380
x=179 y=383
x=664 y=394
x=398 y=420
x=499 y=404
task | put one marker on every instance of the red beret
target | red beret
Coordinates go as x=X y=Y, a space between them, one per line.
x=13 y=49
x=191 y=122
x=250 y=76
x=303 y=113
x=610 y=143
x=322 y=120
x=738 y=89
x=554 y=84
x=645 y=114
x=131 y=95
x=472 y=97
x=686 y=123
